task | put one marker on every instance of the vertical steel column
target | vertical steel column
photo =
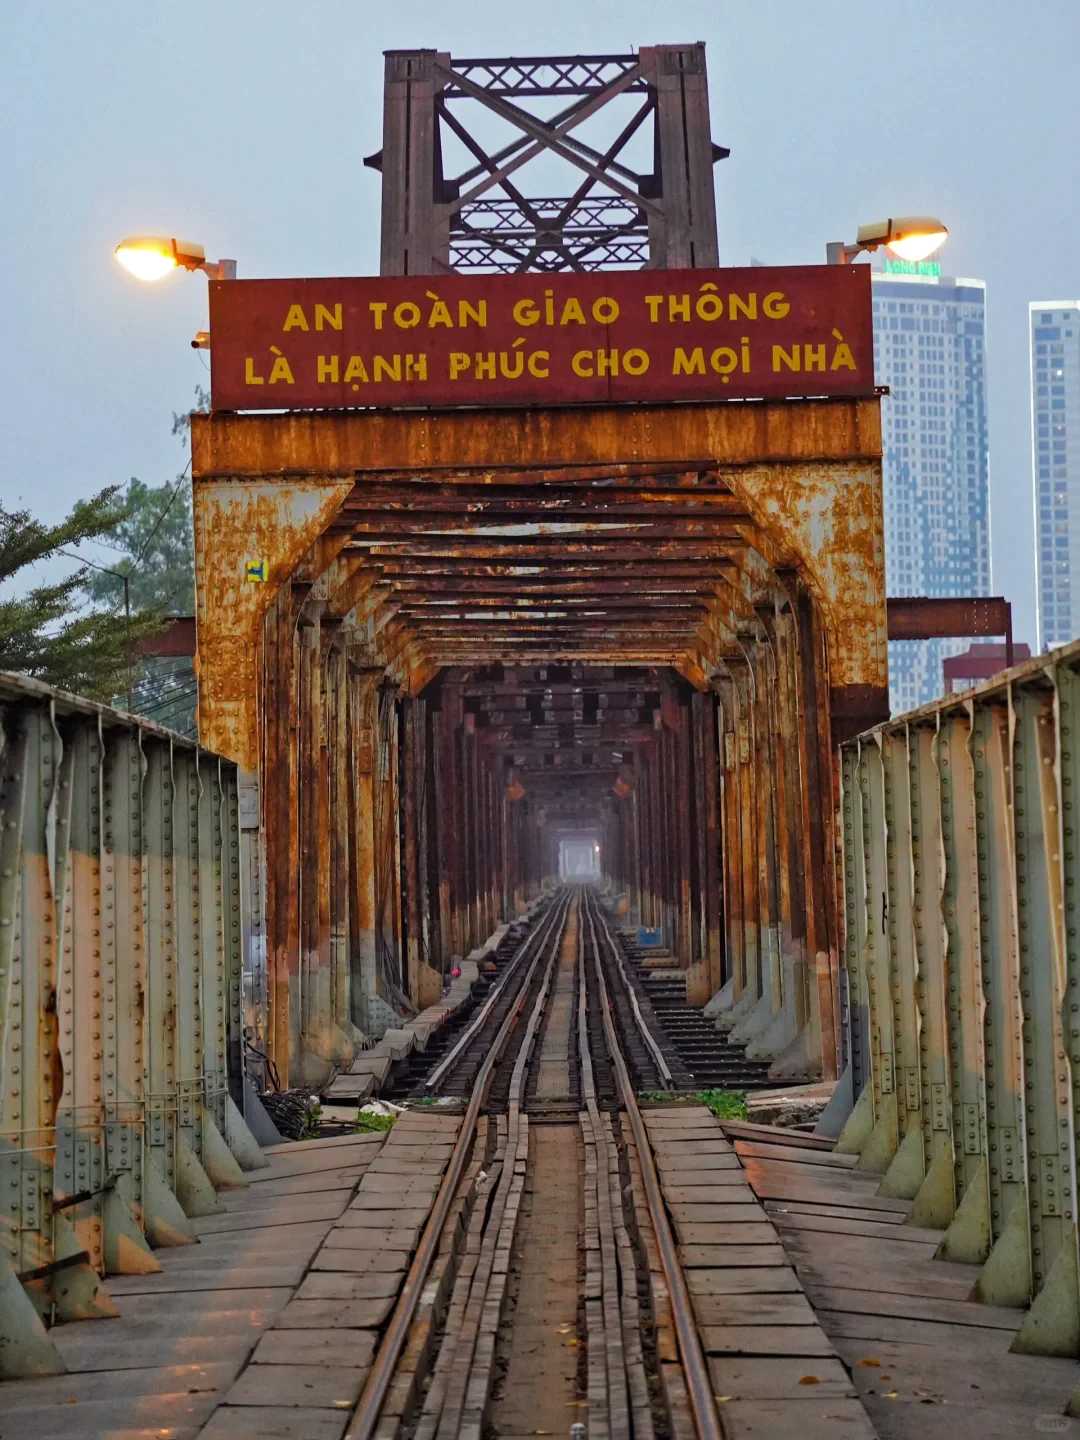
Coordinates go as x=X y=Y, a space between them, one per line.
x=415 y=237
x=1053 y=1325
x=1006 y=1276
x=683 y=235
x=952 y=1003
x=363 y=731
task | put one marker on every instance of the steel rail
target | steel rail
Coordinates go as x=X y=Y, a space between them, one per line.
x=366 y=1415
x=478 y=1020
x=698 y=1382
x=464 y=1343
x=646 y=1034
x=600 y=1140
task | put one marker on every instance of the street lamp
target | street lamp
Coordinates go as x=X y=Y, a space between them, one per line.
x=152 y=257
x=910 y=237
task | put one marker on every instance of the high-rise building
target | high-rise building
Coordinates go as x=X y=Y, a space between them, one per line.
x=1055 y=464
x=930 y=348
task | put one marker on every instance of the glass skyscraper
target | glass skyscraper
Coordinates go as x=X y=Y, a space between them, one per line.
x=930 y=350
x=1055 y=463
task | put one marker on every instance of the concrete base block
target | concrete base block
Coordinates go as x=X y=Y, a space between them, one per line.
x=397 y=1044
x=164 y=1218
x=218 y=1160
x=241 y=1141
x=350 y=1087
x=126 y=1249
x=800 y=1059
x=754 y=1022
x=194 y=1188
x=721 y=1002
x=775 y=1039
x=25 y=1347
x=743 y=1005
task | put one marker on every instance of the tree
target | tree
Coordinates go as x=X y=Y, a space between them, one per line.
x=155 y=549
x=76 y=634
x=154 y=539
x=48 y=632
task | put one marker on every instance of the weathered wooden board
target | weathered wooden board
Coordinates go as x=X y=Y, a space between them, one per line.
x=714 y=1214
x=806 y=1340
x=774 y=1134
x=745 y=1232
x=339 y=1314
x=830 y=1159
x=756 y=1377
x=680 y=1194
x=914 y=1307
x=824 y=1419
x=711 y=1257
x=744 y=1280
x=813 y=1184
x=875 y=1329
x=840 y=1212
x=694 y=1176
x=814 y=1221
x=753 y=1310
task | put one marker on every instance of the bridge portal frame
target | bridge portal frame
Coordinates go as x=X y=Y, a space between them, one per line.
x=286 y=663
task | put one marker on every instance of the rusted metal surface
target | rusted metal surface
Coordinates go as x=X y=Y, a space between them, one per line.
x=640 y=336
x=238 y=526
x=680 y=437
x=491 y=216
x=497 y=578
x=922 y=617
x=177 y=638
x=959 y=874
x=979 y=663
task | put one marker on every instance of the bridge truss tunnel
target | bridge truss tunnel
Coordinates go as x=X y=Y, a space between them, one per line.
x=481 y=631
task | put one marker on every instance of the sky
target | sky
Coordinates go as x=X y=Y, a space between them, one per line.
x=243 y=125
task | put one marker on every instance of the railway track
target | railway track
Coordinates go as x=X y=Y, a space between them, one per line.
x=546 y=1290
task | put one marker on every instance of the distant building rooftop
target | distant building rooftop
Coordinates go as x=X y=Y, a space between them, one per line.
x=979 y=662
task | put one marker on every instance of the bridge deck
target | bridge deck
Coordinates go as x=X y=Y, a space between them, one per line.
x=267 y=1326
x=926 y=1359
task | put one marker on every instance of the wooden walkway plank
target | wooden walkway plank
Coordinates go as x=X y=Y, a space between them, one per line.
x=765 y=1343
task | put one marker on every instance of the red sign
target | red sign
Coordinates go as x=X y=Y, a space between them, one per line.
x=616 y=336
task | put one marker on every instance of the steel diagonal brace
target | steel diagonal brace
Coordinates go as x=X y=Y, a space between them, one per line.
x=564 y=120
x=548 y=137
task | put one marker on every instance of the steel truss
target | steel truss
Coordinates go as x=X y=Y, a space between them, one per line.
x=483 y=219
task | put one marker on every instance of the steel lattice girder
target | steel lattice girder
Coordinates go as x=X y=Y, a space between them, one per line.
x=482 y=218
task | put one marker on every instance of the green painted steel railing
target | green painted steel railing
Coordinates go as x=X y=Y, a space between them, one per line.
x=120 y=1003
x=961 y=875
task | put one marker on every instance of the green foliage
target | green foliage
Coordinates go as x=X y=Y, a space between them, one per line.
x=366 y=1122
x=154 y=548
x=48 y=632
x=724 y=1104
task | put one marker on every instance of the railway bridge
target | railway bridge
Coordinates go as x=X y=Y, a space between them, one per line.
x=546 y=787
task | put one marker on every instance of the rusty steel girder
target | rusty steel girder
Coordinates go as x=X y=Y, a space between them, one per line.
x=722 y=563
